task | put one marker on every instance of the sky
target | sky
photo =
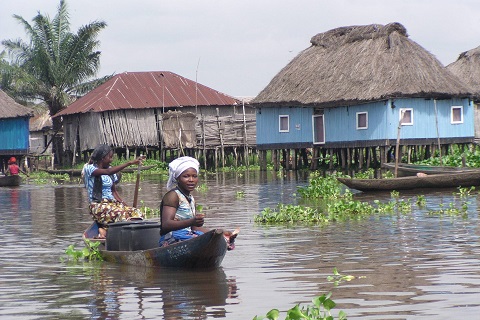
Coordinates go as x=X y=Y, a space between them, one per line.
x=237 y=46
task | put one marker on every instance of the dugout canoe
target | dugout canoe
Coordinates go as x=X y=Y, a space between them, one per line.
x=445 y=180
x=203 y=252
x=10 y=181
x=408 y=170
x=78 y=172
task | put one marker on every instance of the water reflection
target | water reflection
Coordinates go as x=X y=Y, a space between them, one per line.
x=178 y=294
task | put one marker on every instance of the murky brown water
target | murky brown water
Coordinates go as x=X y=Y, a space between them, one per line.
x=406 y=266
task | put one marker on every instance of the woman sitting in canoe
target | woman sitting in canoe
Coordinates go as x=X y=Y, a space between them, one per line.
x=178 y=218
x=106 y=205
x=13 y=169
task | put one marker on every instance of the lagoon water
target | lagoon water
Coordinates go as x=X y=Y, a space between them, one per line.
x=406 y=265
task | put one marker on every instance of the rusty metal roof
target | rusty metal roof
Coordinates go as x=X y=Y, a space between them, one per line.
x=139 y=90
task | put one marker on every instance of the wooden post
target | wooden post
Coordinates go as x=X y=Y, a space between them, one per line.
x=344 y=164
x=220 y=133
x=397 y=146
x=245 y=137
x=438 y=135
x=204 y=142
x=360 y=158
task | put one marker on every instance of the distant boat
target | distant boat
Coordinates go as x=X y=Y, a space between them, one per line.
x=10 y=181
x=407 y=170
x=445 y=180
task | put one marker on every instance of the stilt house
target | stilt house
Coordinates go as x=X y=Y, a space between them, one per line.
x=154 y=111
x=14 y=128
x=357 y=90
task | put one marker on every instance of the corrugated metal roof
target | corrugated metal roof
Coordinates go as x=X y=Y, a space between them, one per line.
x=139 y=90
x=11 y=109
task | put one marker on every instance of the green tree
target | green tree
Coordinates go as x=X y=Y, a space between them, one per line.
x=55 y=65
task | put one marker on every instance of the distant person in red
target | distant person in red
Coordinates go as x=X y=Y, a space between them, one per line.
x=13 y=169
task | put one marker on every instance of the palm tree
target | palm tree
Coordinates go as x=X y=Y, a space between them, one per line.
x=55 y=66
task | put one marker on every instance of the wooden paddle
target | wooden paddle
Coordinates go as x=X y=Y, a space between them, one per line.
x=137 y=186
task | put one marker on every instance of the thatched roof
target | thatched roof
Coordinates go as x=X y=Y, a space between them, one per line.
x=11 y=109
x=356 y=64
x=467 y=68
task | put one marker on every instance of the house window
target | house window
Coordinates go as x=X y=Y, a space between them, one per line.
x=284 y=123
x=406 y=116
x=457 y=114
x=362 y=120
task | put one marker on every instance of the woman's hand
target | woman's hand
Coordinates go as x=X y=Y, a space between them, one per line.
x=199 y=220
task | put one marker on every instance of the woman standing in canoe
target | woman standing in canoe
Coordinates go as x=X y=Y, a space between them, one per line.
x=178 y=218
x=106 y=205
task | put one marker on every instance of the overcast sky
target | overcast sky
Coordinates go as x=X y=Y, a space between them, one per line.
x=238 y=46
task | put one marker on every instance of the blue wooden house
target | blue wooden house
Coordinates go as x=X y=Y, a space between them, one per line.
x=14 y=128
x=356 y=91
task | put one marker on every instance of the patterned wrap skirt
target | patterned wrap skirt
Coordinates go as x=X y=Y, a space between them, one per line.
x=109 y=211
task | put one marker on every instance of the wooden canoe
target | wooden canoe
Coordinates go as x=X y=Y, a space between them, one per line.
x=10 y=181
x=446 y=180
x=203 y=252
x=408 y=170
x=78 y=172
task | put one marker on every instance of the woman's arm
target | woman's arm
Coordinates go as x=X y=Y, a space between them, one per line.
x=170 y=204
x=116 y=195
x=120 y=167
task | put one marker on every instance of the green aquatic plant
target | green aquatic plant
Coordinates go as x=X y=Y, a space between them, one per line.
x=366 y=174
x=240 y=194
x=321 y=187
x=332 y=205
x=42 y=177
x=421 y=201
x=320 y=309
x=290 y=213
x=465 y=192
x=90 y=252
x=337 y=278
x=395 y=194
x=451 y=210
x=148 y=212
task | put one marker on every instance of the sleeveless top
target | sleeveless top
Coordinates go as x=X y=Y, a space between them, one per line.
x=185 y=211
x=14 y=169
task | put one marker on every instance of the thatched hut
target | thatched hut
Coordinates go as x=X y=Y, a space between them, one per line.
x=352 y=87
x=467 y=68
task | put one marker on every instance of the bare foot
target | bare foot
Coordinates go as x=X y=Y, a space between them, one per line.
x=102 y=233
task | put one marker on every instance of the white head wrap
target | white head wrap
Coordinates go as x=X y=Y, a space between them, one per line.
x=177 y=166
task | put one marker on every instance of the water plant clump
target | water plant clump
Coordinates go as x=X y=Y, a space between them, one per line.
x=89 y=253
x=320 y=309
x=332 y=205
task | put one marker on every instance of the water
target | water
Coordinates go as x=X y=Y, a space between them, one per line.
x=406 y=266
